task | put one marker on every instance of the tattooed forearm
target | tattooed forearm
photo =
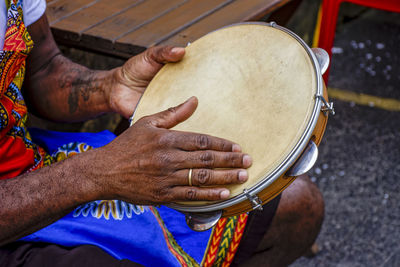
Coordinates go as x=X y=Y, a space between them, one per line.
x=81 y=84
x=73 y=91
x=58 y=89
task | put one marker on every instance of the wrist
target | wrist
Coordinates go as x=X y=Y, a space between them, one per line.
x=124 y=92
x=86 y=174
x=112 y=91
x=106 y=84
x=96 y=174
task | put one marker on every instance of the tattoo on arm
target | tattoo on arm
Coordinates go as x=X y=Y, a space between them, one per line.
x=81 y=83
x=55 y=88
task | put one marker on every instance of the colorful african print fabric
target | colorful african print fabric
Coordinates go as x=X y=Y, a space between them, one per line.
x=17 y=151
x=147 y=235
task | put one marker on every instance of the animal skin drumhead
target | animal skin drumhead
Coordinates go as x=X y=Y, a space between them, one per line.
x=255 y=85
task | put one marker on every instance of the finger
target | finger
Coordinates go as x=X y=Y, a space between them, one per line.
x=193 y=141
x=164 y=54
x=144 y=66
x=175 y=115
x=190 y=193
x=208 y=177
x=214 y=159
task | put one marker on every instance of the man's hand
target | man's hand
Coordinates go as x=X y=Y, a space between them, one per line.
x=132 y=78
x=149 y=164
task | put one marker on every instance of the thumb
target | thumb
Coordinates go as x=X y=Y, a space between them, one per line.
x=175 y=115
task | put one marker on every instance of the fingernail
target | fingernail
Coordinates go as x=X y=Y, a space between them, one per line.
x=247 y=161
x=177 y=50
x=243 y=176
x=224 y=194
x=236 y=148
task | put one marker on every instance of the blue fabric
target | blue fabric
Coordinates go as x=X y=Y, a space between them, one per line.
x=194 y=243
x=52 y=140
x=124 y=230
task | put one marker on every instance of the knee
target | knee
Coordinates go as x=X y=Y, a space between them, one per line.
x=302 y=206
x=304 y=199
x=296 y=224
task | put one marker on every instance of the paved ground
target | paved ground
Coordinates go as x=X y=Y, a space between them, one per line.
x=358 y=169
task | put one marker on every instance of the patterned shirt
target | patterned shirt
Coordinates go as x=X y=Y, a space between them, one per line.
x=18 y=153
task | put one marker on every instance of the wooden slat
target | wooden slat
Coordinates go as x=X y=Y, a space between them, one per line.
x=238 y=11
x=123 y=28
x=57 y=10
x=95 y=14
x=168 y=24
x=132 y=18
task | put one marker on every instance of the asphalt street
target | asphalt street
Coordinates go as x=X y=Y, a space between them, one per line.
x=358 y=170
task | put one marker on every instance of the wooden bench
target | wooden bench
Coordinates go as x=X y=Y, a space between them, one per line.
x=126 y=27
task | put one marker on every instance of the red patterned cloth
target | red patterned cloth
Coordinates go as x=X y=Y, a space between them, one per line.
x=17 y=151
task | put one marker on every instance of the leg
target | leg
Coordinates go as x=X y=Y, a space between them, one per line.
x=50 y=255
x=294 y=227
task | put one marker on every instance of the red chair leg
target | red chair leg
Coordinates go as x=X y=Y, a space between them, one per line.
x=330 y=9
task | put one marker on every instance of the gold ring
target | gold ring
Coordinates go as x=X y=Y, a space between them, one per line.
x=190 y=177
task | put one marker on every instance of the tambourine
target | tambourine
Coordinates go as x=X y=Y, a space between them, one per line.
x=258 y=85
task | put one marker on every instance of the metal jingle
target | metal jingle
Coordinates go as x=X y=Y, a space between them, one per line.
x=202 y=221
x=305 y=162
x=322 y=57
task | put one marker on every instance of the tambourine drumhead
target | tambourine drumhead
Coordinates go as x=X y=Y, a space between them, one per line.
x=256 y=86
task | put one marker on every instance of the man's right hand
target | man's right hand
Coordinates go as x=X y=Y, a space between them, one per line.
x=149 y=164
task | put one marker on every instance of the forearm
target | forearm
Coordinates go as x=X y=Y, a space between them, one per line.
x=60 y=90
x=33 y=200
x=65 y=91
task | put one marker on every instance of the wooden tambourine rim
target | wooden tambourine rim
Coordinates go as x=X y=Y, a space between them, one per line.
x=290 y=159
x=230 y=206
x=283 y=181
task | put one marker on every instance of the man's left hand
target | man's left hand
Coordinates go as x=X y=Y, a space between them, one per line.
x=130 y=80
